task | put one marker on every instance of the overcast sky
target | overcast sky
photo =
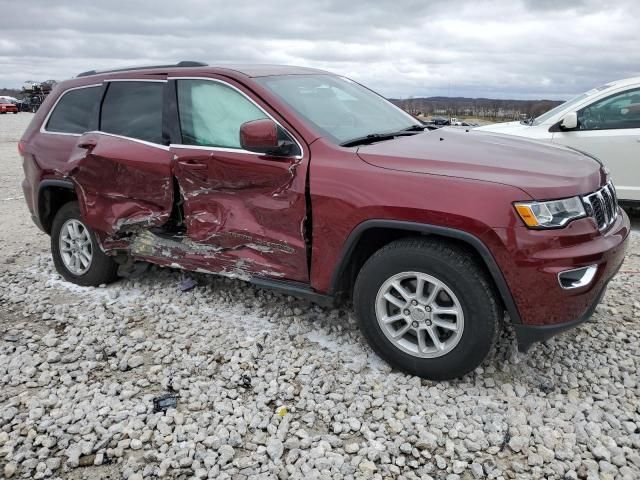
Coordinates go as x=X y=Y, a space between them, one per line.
x=401 y=48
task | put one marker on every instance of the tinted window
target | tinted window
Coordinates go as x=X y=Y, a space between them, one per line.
x=133 y=109
x=73 y=111
x=211 y=113
x=621 y=110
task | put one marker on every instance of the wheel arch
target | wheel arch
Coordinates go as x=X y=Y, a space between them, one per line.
x=53 y=193
x=371 y=235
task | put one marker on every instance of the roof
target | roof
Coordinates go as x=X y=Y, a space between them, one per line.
x=625 y=81
x=249 y=70
x=265 y=70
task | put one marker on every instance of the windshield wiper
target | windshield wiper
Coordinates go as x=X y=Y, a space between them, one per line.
x=414 y=128
x=367 y=139
x=378 y=137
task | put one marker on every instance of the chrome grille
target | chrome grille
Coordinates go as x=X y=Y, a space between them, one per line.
x=608 y=203
x=602 y=206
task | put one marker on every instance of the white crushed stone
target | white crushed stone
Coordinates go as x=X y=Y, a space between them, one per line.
x=273 y=387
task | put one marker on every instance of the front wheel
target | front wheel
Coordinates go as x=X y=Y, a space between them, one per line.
x=427 y=308
x=76 y=254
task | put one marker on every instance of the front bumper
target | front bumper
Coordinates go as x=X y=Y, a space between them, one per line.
x=532 y=259
x=527 y=335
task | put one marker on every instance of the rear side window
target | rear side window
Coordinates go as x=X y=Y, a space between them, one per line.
x=73 y=111
x=133 y=109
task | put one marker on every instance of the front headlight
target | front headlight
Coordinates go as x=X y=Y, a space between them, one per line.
x=551 y=214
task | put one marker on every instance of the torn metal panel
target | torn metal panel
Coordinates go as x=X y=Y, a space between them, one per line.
x=123 y=185
x=242 y=212
x=243 y=261
x=251 y=205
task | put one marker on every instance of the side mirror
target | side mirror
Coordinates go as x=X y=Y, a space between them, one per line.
x=569 y=121
x=261 y=136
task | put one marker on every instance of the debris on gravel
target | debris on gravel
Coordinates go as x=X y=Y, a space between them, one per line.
x=267 y=386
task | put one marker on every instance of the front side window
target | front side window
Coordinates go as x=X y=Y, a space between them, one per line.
x=618 y=111
x=133 y=109
x=72 y=113
x=340 y=108
x=211 y=113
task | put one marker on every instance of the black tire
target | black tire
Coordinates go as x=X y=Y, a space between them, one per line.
x=15 y=113
x=461 y=273
x=103 y=269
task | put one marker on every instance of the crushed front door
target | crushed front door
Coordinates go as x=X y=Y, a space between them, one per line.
x=245 y=213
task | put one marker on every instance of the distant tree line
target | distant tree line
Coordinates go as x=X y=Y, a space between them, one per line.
x=475 y=107
x=10 y=92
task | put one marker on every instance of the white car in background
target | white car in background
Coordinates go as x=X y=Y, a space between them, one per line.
x=603 y=122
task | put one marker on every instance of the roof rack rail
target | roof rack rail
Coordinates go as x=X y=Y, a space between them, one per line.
x=182 y=64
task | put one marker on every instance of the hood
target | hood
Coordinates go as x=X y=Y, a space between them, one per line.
x=509 y=128
x=542 y=170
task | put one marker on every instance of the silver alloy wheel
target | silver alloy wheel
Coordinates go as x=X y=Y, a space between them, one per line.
x=75 y=247
x=419 y=314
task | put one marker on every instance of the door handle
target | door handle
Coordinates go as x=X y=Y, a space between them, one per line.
x=87 y=144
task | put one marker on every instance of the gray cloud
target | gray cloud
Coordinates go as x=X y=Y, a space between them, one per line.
x=506 y=49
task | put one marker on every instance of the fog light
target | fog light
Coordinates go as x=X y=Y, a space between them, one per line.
x=578 y=277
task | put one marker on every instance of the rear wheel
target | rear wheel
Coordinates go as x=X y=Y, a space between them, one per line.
x=76 y=254
x=427 y=308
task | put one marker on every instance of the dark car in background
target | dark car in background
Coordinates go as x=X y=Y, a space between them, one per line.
x=24 y=105
x=440 y=121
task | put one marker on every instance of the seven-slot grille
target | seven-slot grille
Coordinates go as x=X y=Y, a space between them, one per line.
x=602 y=205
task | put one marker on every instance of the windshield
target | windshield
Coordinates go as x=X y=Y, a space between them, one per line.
x=568 y=104
x=340 y=108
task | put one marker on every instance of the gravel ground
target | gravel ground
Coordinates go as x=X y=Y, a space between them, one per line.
x=269 y=386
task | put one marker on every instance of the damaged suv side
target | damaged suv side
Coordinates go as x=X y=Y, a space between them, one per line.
x=308 y=183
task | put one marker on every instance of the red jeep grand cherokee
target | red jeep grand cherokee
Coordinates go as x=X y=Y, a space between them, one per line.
x=309 y=183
